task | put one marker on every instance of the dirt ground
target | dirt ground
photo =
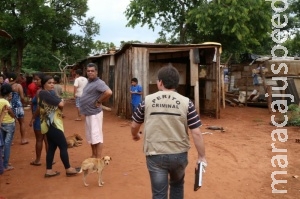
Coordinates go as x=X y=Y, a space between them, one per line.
x=239 y=161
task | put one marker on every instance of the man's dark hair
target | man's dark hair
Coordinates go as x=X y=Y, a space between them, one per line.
x=5 y=89
x=40 y=75
x=134 y=80
x=92 y=65
x=11 y=76
x=57 y=79
x=78 y=72
x=169 y=76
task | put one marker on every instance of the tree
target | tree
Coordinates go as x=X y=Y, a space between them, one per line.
x=170 y=15
x=47 y=23
x=293 y=45
x=240 y=26
x=102 y=47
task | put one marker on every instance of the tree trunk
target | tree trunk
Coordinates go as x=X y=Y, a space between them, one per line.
x=19 y=56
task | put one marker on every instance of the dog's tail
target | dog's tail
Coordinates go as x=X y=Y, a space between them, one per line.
x=80 y=170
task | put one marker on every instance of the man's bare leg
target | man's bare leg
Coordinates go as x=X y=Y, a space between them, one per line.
x=99 y=147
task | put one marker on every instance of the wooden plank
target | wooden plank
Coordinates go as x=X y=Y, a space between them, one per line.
x=223 y=87
x=194 y=70
x=269 y=101
x=197 y=102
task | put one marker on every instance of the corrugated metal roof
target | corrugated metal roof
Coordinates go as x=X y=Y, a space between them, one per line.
x=157 y=48
x=169 y=46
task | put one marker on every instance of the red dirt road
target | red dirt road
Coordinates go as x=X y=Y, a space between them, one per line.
x=239 y=162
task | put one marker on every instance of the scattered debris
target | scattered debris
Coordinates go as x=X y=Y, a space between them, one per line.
x=295 y=176
x=216 y=128
x=297 y=140
x=207 y=133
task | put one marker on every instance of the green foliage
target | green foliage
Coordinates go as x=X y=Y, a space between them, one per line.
x=46 y=24
x=240 y=26
x=102 y=47
x=170 y=15
x=293 y=114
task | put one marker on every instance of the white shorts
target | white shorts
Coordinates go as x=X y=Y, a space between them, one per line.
x=93 y=128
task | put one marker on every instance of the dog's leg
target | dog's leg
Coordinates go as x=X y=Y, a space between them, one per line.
x=100 y=182
x=85 y=173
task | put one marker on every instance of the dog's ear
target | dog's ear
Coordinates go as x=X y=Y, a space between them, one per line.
x=110 y=158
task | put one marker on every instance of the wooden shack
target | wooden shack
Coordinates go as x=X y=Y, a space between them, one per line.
x=198 y=65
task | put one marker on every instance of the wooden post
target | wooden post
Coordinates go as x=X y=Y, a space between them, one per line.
x=269 y=98
x=246 y=90
x=223 y=87
x=197 y=101
x=65 y=81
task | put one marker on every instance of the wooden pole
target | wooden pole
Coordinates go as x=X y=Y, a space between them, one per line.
x=223 y=86
x=246 y=90
x=197 y=100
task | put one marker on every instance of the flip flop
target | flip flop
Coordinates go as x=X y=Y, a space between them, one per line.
x=23 y=143
x=70 y=174
x=9 y=168
x=35 y=163
x=56 y=173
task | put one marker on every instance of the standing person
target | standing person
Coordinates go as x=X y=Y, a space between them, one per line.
x=136 y=94
x=17 y=102
x=57 y=86
x=2 y=77
x=50 y=106
x=22 y=81
x=94 y=93
x=4 y=111
x=167 y=116
x=8 y=124
x=35 y=121
x=79 y=83
x=32 y=89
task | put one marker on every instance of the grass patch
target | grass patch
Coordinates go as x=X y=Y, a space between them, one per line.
x=67 y=95
x=258 y=120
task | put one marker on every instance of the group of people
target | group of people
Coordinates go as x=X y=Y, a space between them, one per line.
x=11 y=106
x=166 y=115
x=47 y=118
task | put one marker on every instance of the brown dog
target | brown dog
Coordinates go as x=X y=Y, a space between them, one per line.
x=74 y=140
x=94 y=165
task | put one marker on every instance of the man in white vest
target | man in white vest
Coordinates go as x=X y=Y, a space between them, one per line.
x=168 y=116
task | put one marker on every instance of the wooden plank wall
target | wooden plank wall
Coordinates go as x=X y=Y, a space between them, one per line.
x=132 y=63
x=140 y=67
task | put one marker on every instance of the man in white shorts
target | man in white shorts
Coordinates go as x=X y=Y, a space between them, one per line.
x=79 y=83
x=94 y=93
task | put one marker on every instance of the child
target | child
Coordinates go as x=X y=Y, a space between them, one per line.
x=136 y=94
x=7 y=125
x=3 y=112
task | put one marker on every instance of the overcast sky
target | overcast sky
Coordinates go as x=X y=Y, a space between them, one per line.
x=110 y=15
